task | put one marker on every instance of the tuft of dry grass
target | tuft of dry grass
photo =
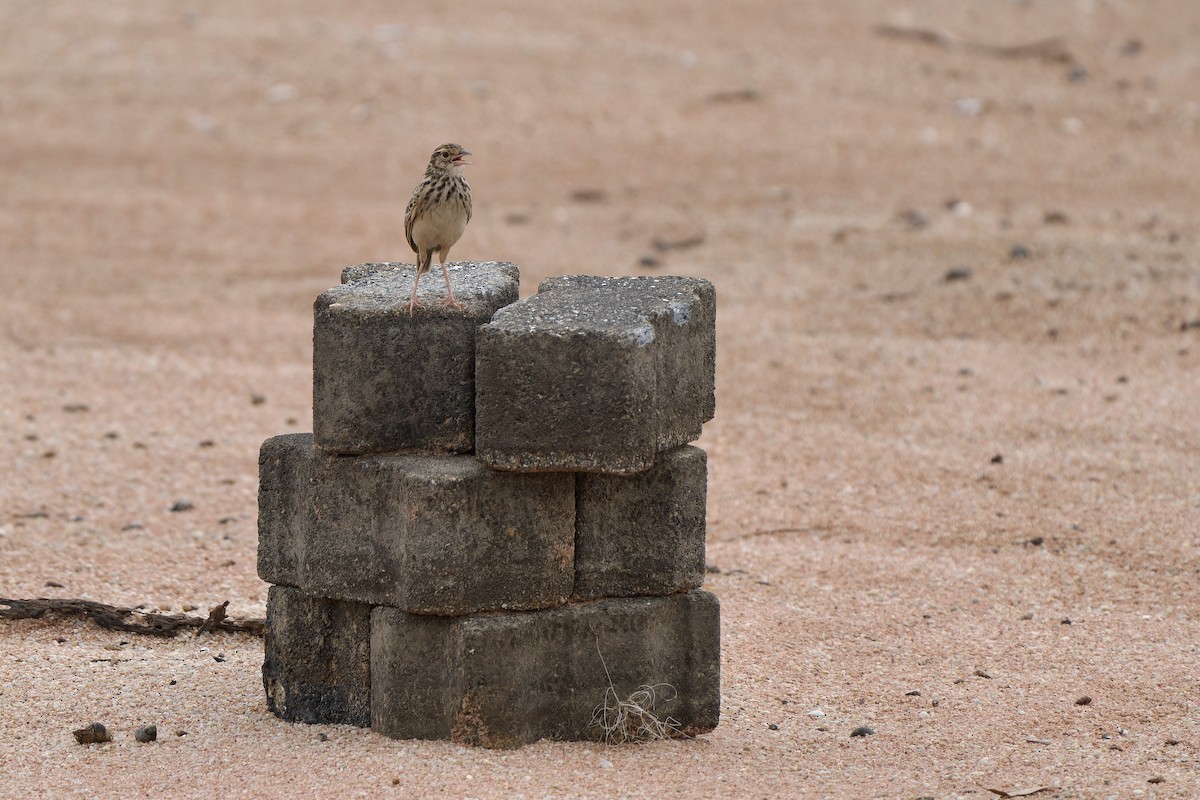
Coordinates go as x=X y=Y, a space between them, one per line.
x=633 y=719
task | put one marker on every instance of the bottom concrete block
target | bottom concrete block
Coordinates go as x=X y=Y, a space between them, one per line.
x=317 y=659
x=507 y=679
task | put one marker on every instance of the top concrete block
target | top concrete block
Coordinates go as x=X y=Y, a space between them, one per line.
x=596 y=374
x=385 y=380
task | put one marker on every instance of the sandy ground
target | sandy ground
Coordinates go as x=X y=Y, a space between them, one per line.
x=955 y=452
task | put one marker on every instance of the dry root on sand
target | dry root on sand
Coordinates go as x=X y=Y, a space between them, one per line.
x=633 y=719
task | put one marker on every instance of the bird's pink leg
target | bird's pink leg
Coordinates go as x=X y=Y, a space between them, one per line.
x=449 y=302
x=412 y=301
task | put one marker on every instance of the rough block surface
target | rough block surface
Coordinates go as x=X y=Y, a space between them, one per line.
x=642 y=534
x=385 y=380
x=503 y=680
x=284 y=468
x=317 y=659
x=596 y=374
x=428 y=534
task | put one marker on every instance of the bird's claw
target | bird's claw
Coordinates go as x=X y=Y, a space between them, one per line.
x=450 y=302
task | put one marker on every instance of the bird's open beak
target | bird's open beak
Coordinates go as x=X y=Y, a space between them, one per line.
x=461 y=158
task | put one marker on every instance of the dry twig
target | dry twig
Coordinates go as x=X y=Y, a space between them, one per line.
x=129 y=620
x=1053 y=49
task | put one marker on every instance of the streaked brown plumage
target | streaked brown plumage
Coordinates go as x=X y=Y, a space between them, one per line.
x=437 y=215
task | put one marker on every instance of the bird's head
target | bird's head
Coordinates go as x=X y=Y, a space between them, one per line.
x=449 y=158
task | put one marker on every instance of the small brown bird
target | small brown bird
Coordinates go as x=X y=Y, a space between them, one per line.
x=216 y=615
x=437 y=215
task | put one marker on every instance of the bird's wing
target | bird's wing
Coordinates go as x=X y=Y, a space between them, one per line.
x=409 y=215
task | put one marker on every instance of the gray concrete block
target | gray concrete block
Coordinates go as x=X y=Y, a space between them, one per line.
x=642 y=534
x=503 y=680
x=596 y=374
x=385 y=380
x=429 y=534
x=283 y=478
x=317 y=663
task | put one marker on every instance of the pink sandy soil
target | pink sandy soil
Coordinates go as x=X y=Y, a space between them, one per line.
x=947 y=509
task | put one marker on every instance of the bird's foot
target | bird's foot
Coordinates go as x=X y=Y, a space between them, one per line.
x=450 y=302
x=414 y=303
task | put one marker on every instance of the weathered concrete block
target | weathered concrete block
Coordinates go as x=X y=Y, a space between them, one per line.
x=317 y=664
x=595 y=374
x=642 y=534
x=283 y=479
x=428 y=534
x=503 y=680
x=385 y=380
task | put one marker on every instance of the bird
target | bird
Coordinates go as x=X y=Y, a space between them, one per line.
x=216 y=616
x=437 y=214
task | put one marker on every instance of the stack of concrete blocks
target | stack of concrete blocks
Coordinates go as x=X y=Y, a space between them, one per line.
x=498 y=516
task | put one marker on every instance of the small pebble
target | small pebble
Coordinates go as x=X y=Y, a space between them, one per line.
x=816 y=713
x=1157 y=779
x=322 y=737
x=914 y=219
x=969 y=106
x=863 y=730
x=1083 y=701
x=979 y=673
x=957 y=274
x=605 y=764
x=1019 y=251
x=95 y=733
x=182 y=504
x=997 y=459
x=772 y=727
x=913 y=693
x=146 y=733
x=589 y=195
